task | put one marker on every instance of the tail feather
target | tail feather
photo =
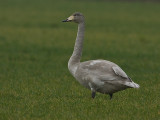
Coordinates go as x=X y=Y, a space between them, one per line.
x=132 y=84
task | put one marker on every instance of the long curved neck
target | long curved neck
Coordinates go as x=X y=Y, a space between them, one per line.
x=77 y=53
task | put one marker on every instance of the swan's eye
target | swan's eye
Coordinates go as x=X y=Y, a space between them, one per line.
x=77 y=14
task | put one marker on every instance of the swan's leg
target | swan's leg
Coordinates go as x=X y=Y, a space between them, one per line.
x=111 y=95
x=93 y=94
x=92 y=90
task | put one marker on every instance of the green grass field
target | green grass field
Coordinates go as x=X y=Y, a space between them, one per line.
x=35 y=47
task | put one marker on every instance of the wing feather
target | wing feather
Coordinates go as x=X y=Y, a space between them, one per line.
x=119 y=72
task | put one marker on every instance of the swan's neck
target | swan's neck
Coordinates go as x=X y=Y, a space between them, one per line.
x=77 y=53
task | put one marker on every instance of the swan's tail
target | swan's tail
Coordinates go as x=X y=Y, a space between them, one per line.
x=132 y=84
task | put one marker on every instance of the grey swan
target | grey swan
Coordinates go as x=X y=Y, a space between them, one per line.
x=97 y=75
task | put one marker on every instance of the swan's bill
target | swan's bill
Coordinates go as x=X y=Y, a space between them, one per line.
x=69 y=19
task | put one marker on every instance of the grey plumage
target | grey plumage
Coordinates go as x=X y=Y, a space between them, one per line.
x=97 y=75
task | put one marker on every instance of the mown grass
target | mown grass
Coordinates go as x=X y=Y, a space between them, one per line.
x=35 y=47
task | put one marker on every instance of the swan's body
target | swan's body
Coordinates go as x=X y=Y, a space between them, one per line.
x=97 y=75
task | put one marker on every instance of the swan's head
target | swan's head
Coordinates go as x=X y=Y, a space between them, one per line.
x=75 y=17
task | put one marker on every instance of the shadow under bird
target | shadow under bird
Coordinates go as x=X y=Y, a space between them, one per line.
x=97 y=75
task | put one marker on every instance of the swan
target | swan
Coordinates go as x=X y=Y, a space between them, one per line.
x=97 y=75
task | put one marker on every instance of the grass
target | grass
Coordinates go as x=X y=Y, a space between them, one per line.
x=35 y=47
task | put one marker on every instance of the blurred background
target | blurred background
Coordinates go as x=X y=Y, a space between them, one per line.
x=35 y=47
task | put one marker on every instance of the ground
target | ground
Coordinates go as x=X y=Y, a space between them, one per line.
x=35 y=47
